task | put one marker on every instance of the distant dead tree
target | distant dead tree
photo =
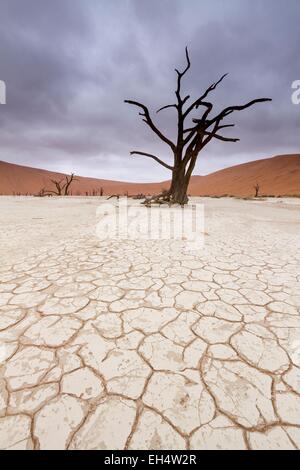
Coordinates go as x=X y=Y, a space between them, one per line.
x=191 y=139
x=69 y=181
x=59 y=186
x=62 y=186
x=256 y=187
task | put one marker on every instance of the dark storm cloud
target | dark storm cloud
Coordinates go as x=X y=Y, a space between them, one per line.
x=69 y=64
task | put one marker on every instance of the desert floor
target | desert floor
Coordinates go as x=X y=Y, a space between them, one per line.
x=109 y=344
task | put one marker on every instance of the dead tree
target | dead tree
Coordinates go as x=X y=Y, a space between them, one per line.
x=190 y=140
x=62 y=186
x=69 y=181
x=256 y=187
x=59 y=187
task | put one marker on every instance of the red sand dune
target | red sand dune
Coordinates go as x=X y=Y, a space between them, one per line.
x=276 y=176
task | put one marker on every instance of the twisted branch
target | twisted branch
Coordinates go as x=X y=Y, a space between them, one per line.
x=154 y=157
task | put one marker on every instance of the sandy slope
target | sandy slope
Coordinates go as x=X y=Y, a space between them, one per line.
x=276 y=176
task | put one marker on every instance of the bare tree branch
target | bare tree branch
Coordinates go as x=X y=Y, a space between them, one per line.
x=167 y=106
x=69 y=181
x=150 y=123
x=180 y=118
x=59 y=186
x=181 y=74
x=173 y=105
x=200 y=122
x=221 y=137
x=154 y=157
x=49 y=191
x=185 y=99
x=224 y=126
x=211 y=88
x=198 y=101
x=231 y=109
x=57 y=182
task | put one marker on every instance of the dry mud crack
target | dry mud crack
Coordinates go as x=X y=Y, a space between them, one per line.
x=138 y=345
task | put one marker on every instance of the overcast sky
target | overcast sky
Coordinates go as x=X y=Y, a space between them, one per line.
x=69 y=64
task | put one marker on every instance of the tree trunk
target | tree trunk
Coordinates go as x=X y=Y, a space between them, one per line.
x=179 y=186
